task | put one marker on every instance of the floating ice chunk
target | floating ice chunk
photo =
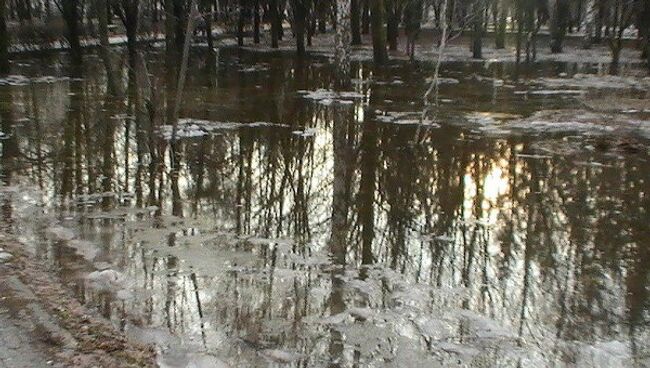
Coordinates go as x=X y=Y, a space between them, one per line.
x=190 y=128
x=123 y=294
x=254 y=68
x=335 y=319
x=85 y=248
x=309 y=132
x=107 y=280
x=14 y=80
x=281 y=356
x=462 y=350
x=444 y=238
x=329 y=97
x=205 y=361
x=4 y=257
x=21 y=80
x=258 y=124
x=433 y=328
x=363 y=313
x=531 y=156
x=489 y=117
x=60 y=233
x=552 y=92
x=442 y=80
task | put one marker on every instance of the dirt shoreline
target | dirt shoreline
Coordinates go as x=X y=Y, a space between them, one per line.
x=66 y=331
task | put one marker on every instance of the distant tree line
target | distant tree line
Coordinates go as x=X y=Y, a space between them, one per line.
x=601 y=21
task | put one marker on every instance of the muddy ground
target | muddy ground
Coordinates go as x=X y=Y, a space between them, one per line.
x=41 y=323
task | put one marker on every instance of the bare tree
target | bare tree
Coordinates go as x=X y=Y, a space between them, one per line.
x=343 y=36
x=104 y=47
x=4 y=40
x=412 y=24
x=560 y=17
x=478 y=11
x=501 y=23
x=621 y=17
x=377 y=16
x=355 y=21
x=129 y=11
x=70 y=10
x=300 y=10
x=275 y=23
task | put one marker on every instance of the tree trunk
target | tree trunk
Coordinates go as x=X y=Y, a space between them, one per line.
x=477 y=32
x=300 y=14
x=321 y=14
x=355 y=15
x=502 y=23
x=598 y=31
x=240 y=24
x=281 y=10
x=212 y=55
x=392 y=26
x=380 y=55
x=70 y=13
x=559 y=21
x=131 y=15
x=104 y=49
x=256 y=22
x=209 y=16
x=4 y=40
x=275 y=23
x=365 y=18
x=520 y=32
x=590 y=9
x=171 y=58
x=342 y=52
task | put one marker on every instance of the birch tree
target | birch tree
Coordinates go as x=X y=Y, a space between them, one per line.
x=343 y=41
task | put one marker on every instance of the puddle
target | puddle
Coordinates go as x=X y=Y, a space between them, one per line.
x=307 y=227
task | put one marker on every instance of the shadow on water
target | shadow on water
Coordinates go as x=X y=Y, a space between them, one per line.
x=320 y=233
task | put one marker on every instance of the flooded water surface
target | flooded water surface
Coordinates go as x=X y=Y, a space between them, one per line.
x=312 y=228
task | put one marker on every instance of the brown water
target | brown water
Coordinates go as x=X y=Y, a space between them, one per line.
x=318 y=234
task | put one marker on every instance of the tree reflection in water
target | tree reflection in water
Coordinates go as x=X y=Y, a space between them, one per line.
x=338 y=240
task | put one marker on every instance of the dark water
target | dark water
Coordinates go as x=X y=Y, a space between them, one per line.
x=323 y=235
